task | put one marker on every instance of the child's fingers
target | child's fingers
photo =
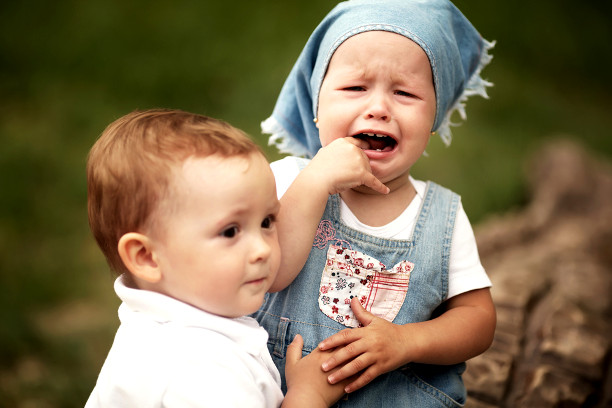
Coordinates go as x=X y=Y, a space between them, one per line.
x=342 y=355
x=370 y=181
x=362 y=144
x=376 y=185
x=359 y=365
x=348 y=336
x=364 y=317
x=294 y=351
x=363 y=380
x=341 y=338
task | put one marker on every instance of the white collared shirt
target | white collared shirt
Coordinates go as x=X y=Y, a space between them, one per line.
x=167 y=353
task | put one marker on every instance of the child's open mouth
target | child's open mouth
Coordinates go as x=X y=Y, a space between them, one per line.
x=377 y=142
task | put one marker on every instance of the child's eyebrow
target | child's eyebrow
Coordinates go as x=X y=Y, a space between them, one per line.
x=230 y=215
x=240 y=210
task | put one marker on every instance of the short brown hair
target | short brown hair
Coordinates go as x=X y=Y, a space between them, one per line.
x=129 y=167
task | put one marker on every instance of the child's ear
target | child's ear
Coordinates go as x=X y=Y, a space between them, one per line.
x=136 y=252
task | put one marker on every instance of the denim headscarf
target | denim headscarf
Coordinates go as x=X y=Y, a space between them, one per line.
x=456 y=52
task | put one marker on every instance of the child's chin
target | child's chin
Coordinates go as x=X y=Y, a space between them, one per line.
x=254 y=307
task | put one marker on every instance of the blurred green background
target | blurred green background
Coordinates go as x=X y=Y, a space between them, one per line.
x=68 y=68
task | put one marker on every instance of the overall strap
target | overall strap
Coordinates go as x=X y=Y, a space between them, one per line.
x=442 y=204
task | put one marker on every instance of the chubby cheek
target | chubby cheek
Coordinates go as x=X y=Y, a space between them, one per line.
x=425 y=141
x=275 y=262
x=332 y=125
x=328 y=134
x=412 y=152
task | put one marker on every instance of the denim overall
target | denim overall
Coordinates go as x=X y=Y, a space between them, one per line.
x=344 y=263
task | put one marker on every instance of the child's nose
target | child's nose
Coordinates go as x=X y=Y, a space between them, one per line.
x=260 y=250
x=378 y=109
x=376 y=115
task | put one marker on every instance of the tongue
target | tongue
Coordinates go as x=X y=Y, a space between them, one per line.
x=376 y=143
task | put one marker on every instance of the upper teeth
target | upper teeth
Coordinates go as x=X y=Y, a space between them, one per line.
x=374 y=134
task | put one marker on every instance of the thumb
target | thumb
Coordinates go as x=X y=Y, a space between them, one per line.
x=364 y=317
x=294 y=351
x=362 y=144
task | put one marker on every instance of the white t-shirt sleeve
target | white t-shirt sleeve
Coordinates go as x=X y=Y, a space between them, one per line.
x=285 y=171
x=465 y=273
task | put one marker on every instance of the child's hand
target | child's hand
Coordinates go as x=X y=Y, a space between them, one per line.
x=378 y=347
x=307 y=384
x=337 y=167
x=344 y=165
x=463 y=331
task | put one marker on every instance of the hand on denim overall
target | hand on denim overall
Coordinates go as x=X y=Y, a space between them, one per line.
x=307 y=384
x=374 y=349
x=381 y=346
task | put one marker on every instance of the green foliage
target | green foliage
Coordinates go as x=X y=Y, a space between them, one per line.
x=69 y=68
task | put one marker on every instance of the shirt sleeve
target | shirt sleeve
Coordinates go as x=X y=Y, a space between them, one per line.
x=285 y=171
x=466 y=272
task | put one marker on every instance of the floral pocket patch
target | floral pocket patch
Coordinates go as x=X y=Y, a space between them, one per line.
x=350 y=274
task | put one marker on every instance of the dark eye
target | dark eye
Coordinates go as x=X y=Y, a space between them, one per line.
x=268 y=221
x=230 y=232
x=354 y=88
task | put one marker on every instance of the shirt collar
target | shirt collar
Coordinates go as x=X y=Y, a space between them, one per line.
x=139 y=304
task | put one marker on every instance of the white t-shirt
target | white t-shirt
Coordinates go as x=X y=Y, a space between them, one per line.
x=465 y=270
x=167 y=353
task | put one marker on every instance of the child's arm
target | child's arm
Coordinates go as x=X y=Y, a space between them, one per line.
x=463 y=331
x=339 y=166
x=307 y=384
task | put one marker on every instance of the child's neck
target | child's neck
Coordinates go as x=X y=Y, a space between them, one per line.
x=376 y=210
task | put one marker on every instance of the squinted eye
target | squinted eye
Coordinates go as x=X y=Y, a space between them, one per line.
x=403 y=93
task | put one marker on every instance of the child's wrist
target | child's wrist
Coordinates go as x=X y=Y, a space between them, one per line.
x=414 y=334
x=304 y=397
x=316 y=182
